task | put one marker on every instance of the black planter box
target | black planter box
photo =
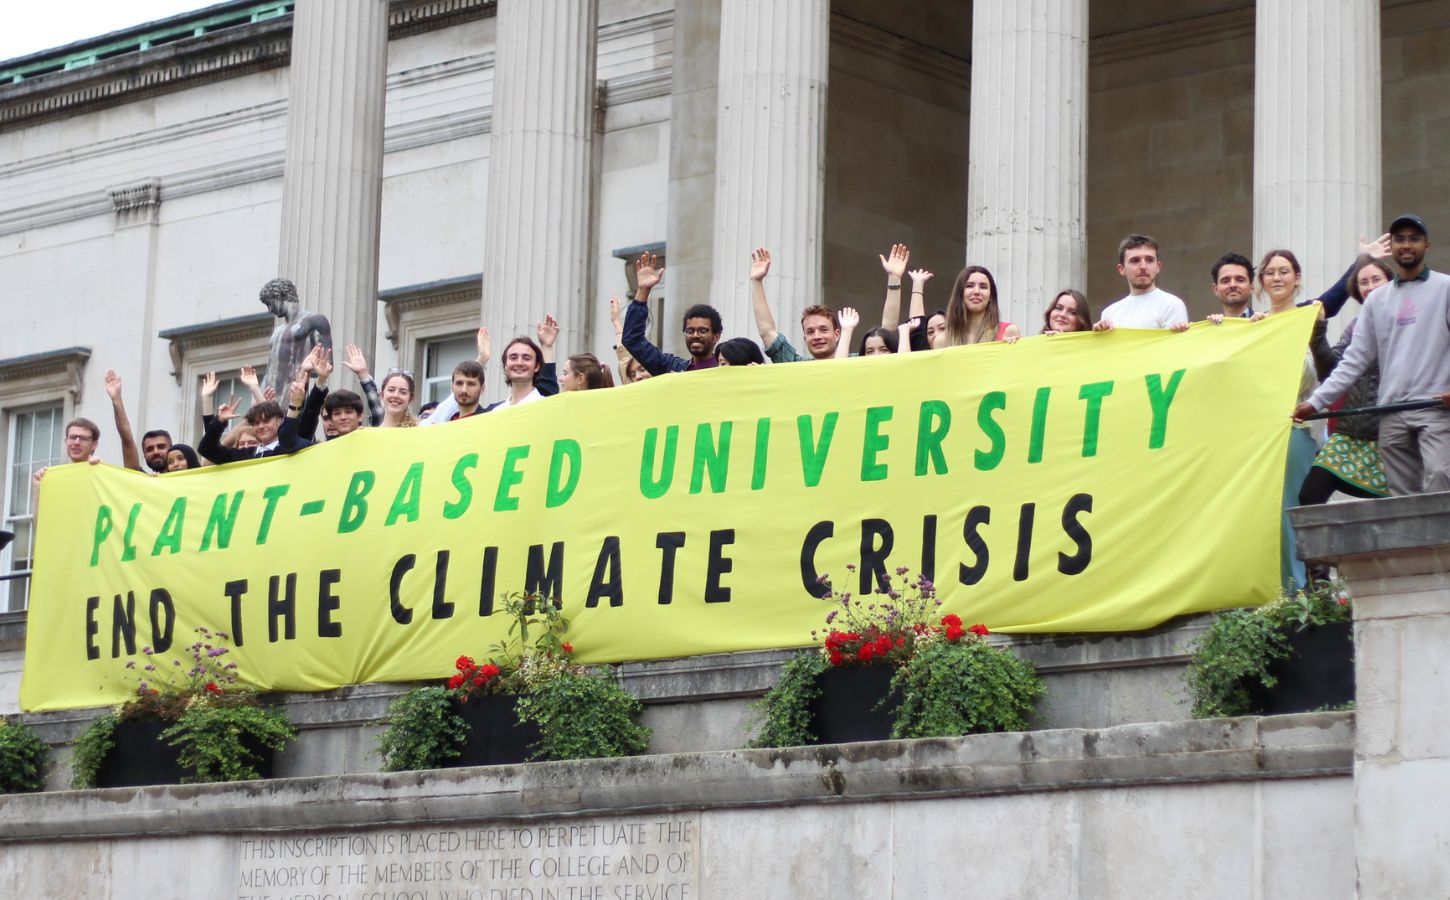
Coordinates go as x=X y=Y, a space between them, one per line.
x=140 y=757
x=849 y=708
x=496 y=736
x=1319 y=674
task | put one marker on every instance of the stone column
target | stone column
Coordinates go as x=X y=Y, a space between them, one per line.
x=694 y=104
x=132 y=285
x=1395 y=554
x=333 y=182
x=770 y=158
x=540 y=174
x=1317 y=179
x=1026 y=185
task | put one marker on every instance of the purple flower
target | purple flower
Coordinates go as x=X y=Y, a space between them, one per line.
x=130 y=663
x=902 y=570
x=216 y=651
x=831 y=616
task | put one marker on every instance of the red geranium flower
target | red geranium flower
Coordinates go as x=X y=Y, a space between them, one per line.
x=455 y=682
x=951 y=620
x=478 y=681
x=837 y=658
x=979 y=629
x=211 y=687
x=567 y=647
x=883 y=645
x=865 y=652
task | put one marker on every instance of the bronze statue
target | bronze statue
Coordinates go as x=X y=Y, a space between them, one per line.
x=295 y=336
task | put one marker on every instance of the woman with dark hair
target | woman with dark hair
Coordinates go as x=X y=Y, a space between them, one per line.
x=739 y=352
x=1069 y=312
x=881 y=342
x=972 y=313
x=877 y=341
x=584 y=372
x=1350 y=461
x=182 y=457
x=1280 y=279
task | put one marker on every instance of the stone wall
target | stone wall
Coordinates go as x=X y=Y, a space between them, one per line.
x=1227 y=808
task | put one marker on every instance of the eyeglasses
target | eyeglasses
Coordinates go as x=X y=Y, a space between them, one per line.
x=391 y=372
x=699 y=332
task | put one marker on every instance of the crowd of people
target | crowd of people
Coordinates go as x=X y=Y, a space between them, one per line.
x=1396 y=352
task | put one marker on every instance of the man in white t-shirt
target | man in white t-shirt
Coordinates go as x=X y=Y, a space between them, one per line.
x=1147 y=305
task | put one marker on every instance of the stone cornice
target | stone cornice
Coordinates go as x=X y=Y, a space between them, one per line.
x=902 y=51
x=1308 y=745
x=397 y=301
x=1172 y=37
x=188 y=63
x=49 y=362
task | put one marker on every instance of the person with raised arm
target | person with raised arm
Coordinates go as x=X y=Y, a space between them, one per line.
x=922 y=329
x=528 y=367
x=877 y=341
x=265 y=419
x=820 y=324
x=358 y=364
x=130 y=456
x=702 y=327
x=629 y=368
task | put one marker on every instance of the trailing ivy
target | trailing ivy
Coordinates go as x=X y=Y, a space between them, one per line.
x=784 y=713
x=423 y=731
x=89 y=751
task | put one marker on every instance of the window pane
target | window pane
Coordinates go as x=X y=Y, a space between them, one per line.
x=439 y=358
x=35 y=442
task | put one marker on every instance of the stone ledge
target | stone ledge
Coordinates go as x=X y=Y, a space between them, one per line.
x=1301 y=746
x=1333 y=532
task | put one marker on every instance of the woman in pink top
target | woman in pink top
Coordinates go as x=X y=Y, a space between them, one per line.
x=972 y=315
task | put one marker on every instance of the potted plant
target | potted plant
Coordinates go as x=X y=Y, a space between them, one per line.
x=185 y=724
x=1293 y=654
x=891 y=666
x=22 y=757
x=527 y=701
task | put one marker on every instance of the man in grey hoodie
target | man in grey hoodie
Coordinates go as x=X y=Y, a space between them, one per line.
x=1405 y=327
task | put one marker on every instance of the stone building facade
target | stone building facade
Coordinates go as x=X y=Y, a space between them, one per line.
x=420 y=167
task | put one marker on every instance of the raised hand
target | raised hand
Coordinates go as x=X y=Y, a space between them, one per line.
x=849 y=318
x=208 y=384
x=113 y=384
x=759 y=264
x=248 y=378
x=355 y=361
x=1378 y=248
x=919 y=278
x=269 y=393
x=298 y=388
x=895 y=264
x=323 y=364
x=646 y=275
x=548 y=331
x=309 y=362
x=228 y=410
x=485 y=346
x=614 y=318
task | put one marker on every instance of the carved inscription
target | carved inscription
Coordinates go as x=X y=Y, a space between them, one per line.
x=644 y=858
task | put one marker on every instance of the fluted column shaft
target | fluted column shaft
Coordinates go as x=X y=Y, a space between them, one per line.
x=540 y=173
x=770 y=157
x=1317 y=182
x=333 y=182
x=1026 y=185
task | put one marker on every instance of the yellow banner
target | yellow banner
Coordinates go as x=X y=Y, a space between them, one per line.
x=1081 y=482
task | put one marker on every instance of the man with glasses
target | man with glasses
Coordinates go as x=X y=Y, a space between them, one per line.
x=1405 y=327
x=702 y=328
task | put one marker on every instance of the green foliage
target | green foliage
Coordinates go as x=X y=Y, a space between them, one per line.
x=1238 y=647
x=953 y=688
x=225 y=741
x=784 y=713
x=423 y=731
x=583 y=716
x=90 y=750
x=22 y=758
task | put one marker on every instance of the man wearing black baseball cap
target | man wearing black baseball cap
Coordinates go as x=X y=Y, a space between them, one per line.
x=1405 y=327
